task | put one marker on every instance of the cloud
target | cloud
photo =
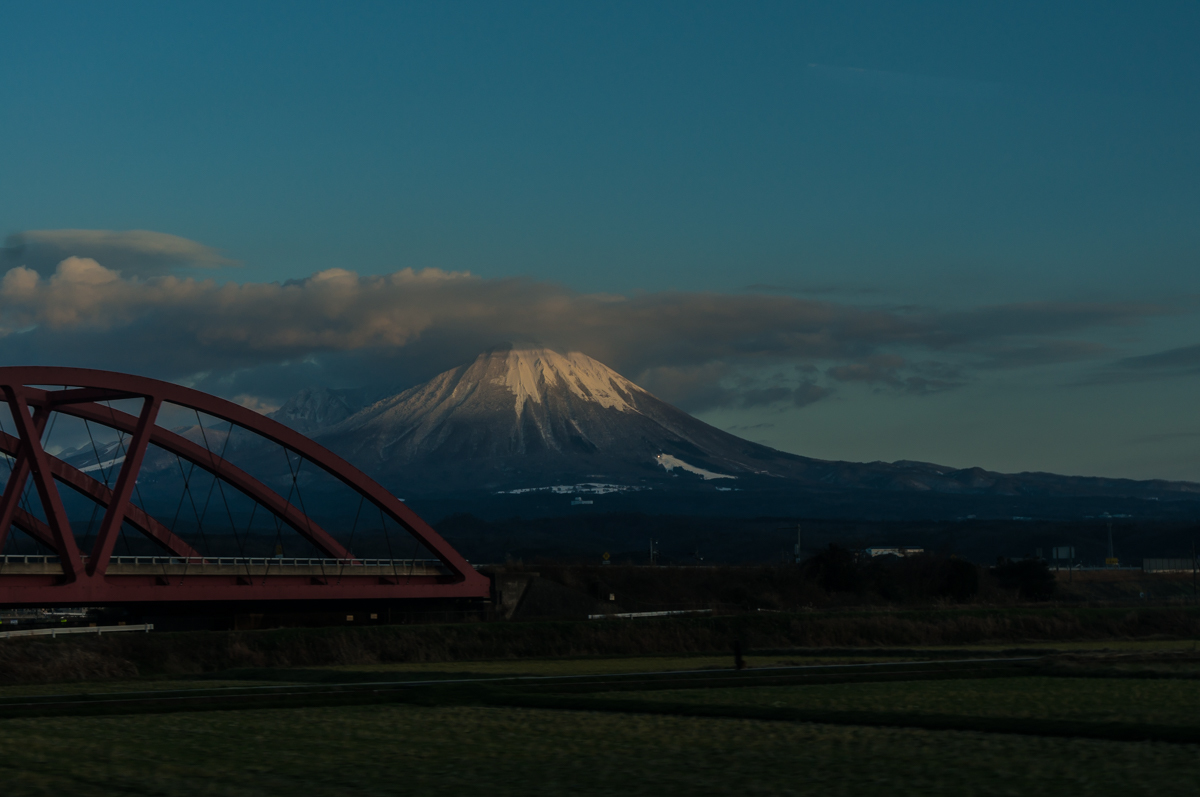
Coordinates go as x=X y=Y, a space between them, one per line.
x=809 y=392
x=879 y=369
x=692 y=388
x=130 y=252
x=338 y=310
x=893 y=371
x=1180 y=361
x=750 y=427
x=1185 y=358
x=256 y=403
x=1183 y=437
x=1050 y=352
x=811 y=290
x=1045 y=318
x=694 y=348
x=722 y=385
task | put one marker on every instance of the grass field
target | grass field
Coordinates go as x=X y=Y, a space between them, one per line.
x=591 y=665
x=1130 y=700
x=595 y=665
x=293 y=718
x=392 y=750
x=109 y=687
x=600 y=665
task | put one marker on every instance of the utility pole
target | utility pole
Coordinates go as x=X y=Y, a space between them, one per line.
x=799 y=550
x=653 y=552
x=1110 y=546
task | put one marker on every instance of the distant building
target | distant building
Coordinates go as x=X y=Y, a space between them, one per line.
x=578 y=501
x=893 y=551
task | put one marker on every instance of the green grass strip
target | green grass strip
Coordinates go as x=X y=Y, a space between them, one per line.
x=508 y=697
x=349 y=687
x=1118 y=732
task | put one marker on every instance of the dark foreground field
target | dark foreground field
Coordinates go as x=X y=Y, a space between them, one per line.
x=388 y=750
x=1005 y=701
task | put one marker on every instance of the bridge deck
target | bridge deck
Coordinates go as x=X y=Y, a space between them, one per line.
x=232 y=566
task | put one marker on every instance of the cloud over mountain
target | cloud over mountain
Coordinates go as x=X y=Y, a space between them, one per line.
x=694 y=347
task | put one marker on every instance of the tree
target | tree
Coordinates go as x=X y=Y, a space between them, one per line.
x=835 y=569
x=1032 y=578
x=960 y=579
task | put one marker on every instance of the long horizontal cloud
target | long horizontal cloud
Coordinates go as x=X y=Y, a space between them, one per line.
x=1180 y=361
x=130 y=252
x=1186 y=358
x=414 y=323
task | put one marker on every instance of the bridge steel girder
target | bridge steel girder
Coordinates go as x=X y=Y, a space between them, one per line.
x=88 y=582
x=207 y=460
x=97 y=491
x=18 y=476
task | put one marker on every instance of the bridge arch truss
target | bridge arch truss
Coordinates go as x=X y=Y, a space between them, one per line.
x=183 y=574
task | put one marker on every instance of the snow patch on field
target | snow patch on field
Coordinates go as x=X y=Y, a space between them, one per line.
x=669 y=463
x=588 y=488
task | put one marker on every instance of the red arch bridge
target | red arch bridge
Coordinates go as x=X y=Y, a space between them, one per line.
x=82 y=570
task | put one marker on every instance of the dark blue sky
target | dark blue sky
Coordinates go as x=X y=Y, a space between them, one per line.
x=1020 y=179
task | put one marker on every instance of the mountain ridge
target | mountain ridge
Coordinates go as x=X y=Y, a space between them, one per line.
x=521 y=418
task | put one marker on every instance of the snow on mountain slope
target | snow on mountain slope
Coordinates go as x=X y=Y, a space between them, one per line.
x=313 y=409
x=531 y=410
x=669 y=464
x=530 y=373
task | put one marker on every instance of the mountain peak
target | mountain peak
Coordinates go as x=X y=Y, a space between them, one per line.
x=528 y=372
x=523 y=411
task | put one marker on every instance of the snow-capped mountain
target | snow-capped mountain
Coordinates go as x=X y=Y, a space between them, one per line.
x=521 y=422
x=522 y=418
x=518 y=414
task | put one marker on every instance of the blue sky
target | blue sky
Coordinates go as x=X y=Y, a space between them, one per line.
x=956 y=232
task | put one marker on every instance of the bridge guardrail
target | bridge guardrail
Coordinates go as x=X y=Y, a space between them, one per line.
x=234 y=561
x=94 y=629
